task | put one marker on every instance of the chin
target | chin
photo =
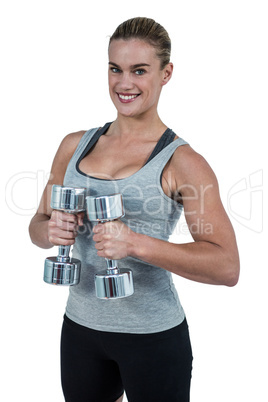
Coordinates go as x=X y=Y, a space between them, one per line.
x=126 y=113
x=126 y=110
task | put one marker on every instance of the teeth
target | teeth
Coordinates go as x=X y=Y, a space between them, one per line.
x=127 y=97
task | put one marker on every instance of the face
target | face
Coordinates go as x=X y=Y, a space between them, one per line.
x=135 y=78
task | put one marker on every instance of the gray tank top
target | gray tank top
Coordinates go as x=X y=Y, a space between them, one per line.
x=155 y=305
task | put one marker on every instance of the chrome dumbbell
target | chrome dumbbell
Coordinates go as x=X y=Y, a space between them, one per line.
x=64 y=270
x=114 y=283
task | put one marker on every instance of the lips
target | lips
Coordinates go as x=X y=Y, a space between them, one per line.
x=126 y=98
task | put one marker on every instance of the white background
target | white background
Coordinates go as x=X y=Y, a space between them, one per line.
x=53 y=82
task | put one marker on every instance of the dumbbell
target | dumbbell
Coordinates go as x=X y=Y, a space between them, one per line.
x=64 y=270
x=114 y=283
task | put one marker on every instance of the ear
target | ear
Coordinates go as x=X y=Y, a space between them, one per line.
x=167 y=73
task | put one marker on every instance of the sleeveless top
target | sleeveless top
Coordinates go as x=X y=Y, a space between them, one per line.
x=155 y=305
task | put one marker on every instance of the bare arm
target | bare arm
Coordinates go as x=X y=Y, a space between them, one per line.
x=212 y=257
x=48 y=228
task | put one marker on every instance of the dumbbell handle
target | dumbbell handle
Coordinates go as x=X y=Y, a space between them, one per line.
x=112 y=266
x=63 y=253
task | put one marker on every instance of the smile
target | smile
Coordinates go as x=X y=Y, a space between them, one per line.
x=127 y=98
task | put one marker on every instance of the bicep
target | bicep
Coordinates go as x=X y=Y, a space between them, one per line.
x=205 y=215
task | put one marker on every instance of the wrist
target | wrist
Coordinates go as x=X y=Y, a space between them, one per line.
x=137 y=245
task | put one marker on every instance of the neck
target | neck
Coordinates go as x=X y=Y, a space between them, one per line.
x=145 y=126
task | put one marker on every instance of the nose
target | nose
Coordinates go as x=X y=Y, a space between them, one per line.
x=125 y=82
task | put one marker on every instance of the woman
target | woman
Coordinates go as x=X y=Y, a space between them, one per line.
x=140 y=343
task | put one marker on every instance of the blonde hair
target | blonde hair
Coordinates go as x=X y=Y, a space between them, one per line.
x=149 y=31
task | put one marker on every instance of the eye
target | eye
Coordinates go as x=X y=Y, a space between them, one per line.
x=115 y=70
x=140 y=71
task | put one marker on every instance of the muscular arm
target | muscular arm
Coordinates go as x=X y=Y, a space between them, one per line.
x=213 y=256
x=39 y=225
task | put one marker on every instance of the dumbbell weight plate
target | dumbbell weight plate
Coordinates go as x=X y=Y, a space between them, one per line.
x=62 y=273
x=114 y=286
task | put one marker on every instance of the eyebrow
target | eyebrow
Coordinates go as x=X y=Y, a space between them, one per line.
x=132 y=67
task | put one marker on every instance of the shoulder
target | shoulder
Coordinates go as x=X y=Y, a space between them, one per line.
x=64 y=153
x=191 y=169
x=70 y=141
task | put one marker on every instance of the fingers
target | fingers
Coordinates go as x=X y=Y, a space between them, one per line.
x=62 y=228
x=113 y=228
x=111 y=240
x=104 y=243
x=63 y=220
x=102 y=239
x=80 y=218
x=107 y=249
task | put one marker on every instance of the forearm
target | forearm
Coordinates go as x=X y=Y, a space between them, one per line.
x=198 y=261
x=38 y=230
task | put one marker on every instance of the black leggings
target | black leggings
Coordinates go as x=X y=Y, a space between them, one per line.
x=99 y=366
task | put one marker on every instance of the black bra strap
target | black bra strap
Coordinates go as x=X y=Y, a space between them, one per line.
x=166 y=139
x=92 y=142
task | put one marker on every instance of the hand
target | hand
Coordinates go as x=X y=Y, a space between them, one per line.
x=114 y=240
x=62 y=227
